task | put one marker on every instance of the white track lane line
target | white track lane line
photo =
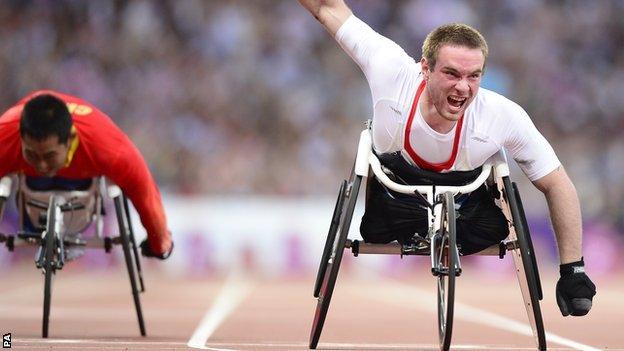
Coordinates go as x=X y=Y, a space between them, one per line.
x=234 y=291
x=468 y=313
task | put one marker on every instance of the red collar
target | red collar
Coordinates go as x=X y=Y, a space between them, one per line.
x=437 y=167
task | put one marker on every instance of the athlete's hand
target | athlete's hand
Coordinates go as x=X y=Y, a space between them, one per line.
x=575 y=290
x=147 y=251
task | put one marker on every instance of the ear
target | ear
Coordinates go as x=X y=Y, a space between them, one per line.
x=424 y=66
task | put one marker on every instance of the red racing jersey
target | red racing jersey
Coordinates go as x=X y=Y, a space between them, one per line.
x=102 y=150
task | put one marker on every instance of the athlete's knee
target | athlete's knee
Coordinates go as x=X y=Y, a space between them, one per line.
x=374 y=231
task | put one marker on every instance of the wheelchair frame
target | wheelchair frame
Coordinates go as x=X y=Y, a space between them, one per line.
x=52 y=244
x=440 y=242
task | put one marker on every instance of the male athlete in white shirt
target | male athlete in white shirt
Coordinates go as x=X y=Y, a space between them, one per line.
x=432 y=115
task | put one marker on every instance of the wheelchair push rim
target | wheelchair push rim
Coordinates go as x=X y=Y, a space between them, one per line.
x=446 y=256
x=333 y=265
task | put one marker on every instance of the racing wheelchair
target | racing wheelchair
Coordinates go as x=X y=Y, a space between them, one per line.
x=439 y=243
x=53 y=215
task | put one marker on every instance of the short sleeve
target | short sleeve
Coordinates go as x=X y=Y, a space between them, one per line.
x=528 y=147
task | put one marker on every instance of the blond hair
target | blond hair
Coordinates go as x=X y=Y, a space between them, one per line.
x=454 y=34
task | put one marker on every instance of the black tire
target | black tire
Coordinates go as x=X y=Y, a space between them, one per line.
x=446 y=277
x=125 y=244
x=540 y=293
x=2 y=204
x=329 y=280
x=50 y=248
x=331 y=236
x=133 y=245
x=529 y=264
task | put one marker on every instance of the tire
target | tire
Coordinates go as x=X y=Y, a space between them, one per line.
x=529 y=281
x=125 y=244
x=133 y=245
x=331 y=236
x=529 y=242
x=49 y=267
x=333 y=265
x=446 y=276
x=2 y=204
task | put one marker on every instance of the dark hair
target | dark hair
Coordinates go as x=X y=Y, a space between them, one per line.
x=44 y=116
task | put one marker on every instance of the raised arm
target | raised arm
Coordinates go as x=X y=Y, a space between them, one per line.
x=331 y=13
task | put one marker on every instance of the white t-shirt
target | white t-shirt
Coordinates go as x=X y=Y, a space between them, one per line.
x=490 y=122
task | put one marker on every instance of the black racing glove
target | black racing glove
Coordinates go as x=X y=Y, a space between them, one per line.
x=146 y=251
x=574 y=289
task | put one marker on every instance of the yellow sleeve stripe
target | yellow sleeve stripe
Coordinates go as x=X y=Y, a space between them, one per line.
x=73 y=147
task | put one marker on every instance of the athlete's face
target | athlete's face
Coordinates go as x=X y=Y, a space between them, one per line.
x=454 y=81
x=47 y=156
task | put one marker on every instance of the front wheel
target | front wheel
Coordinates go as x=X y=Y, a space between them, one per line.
x=446 y=264
x=51 y=248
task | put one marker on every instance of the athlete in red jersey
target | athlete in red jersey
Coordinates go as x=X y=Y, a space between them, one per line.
x=56 y=135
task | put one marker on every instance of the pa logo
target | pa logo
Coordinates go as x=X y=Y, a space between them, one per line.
x=6 y=341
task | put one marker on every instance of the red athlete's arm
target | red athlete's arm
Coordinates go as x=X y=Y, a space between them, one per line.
x=130 y=172
x=10 y=143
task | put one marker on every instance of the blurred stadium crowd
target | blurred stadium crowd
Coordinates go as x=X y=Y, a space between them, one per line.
x=253 y=97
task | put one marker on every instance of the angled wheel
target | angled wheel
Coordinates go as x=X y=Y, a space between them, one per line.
x=526 y=264
x=335 y=257
x=2 y=204
x=527 y=234
x=331 y=236
x=50 y=250
x=130 y=262
x=446 y=257
x=133 y=245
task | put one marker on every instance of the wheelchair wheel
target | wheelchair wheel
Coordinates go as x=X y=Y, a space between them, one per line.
x=130 y=262
x=526 y=264
x=331 y=236
x=49 y=265
x=333 y=262
x=447 y=270
x=2 y=204
x=531 y=250
x=133 y=245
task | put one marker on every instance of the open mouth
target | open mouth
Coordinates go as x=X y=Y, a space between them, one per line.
x=456 y=102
